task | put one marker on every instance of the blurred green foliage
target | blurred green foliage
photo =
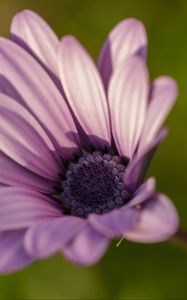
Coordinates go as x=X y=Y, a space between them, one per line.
x=131 y=271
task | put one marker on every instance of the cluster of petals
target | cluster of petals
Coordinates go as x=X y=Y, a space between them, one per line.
x=53 y=100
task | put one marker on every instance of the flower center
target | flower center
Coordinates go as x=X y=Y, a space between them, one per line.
x=94 y=185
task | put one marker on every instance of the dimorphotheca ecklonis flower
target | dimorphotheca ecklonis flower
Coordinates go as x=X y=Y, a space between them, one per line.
x=76 y=140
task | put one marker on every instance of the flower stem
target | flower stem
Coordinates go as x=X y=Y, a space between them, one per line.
x=180 y=238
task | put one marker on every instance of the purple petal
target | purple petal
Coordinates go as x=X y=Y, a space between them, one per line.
x=128 y=95
x=13 y=256
x=163 y=96
x=84 y=90
x=21 y=208
x=158 y=221
x=87 y=247
x=13 y=174
x=23 y=140
x=144 y=192
x=127 y=38
x=45 y=238
x=32 y=33
x=38 y=93
x=137 y=168
x=115 y=223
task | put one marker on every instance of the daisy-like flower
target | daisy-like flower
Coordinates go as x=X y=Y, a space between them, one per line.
x=76 y=140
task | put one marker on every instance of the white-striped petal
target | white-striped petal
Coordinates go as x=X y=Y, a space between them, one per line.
x=84 y=90
x=23 y=79
x=32 y=33
x=128 y=96
x=21 y=208
x=23 y=140
x=126 y=38
x=158 y=221
x=163 y=97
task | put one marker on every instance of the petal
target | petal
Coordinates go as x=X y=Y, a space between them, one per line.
x=144 y=192
x=158 y=221
x=32 y=33
x=163 y=97
x=128 y=95
x=21 y=208
x=87 y=247
x=13 y=174
x=84 y=90
x=37 y=93
x=13 y=256
x=127 y=38
x=137 y=168
x=115 y=223
x=23 y=140
x=45 y=238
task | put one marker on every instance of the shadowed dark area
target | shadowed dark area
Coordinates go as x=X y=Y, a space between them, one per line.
x=7 y=88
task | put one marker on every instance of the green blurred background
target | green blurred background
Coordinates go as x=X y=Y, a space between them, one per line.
x=131 y=271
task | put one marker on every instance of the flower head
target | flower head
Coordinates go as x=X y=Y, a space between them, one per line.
x=76 y=142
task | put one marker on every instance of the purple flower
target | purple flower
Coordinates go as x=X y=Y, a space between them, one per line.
x=76 y=142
